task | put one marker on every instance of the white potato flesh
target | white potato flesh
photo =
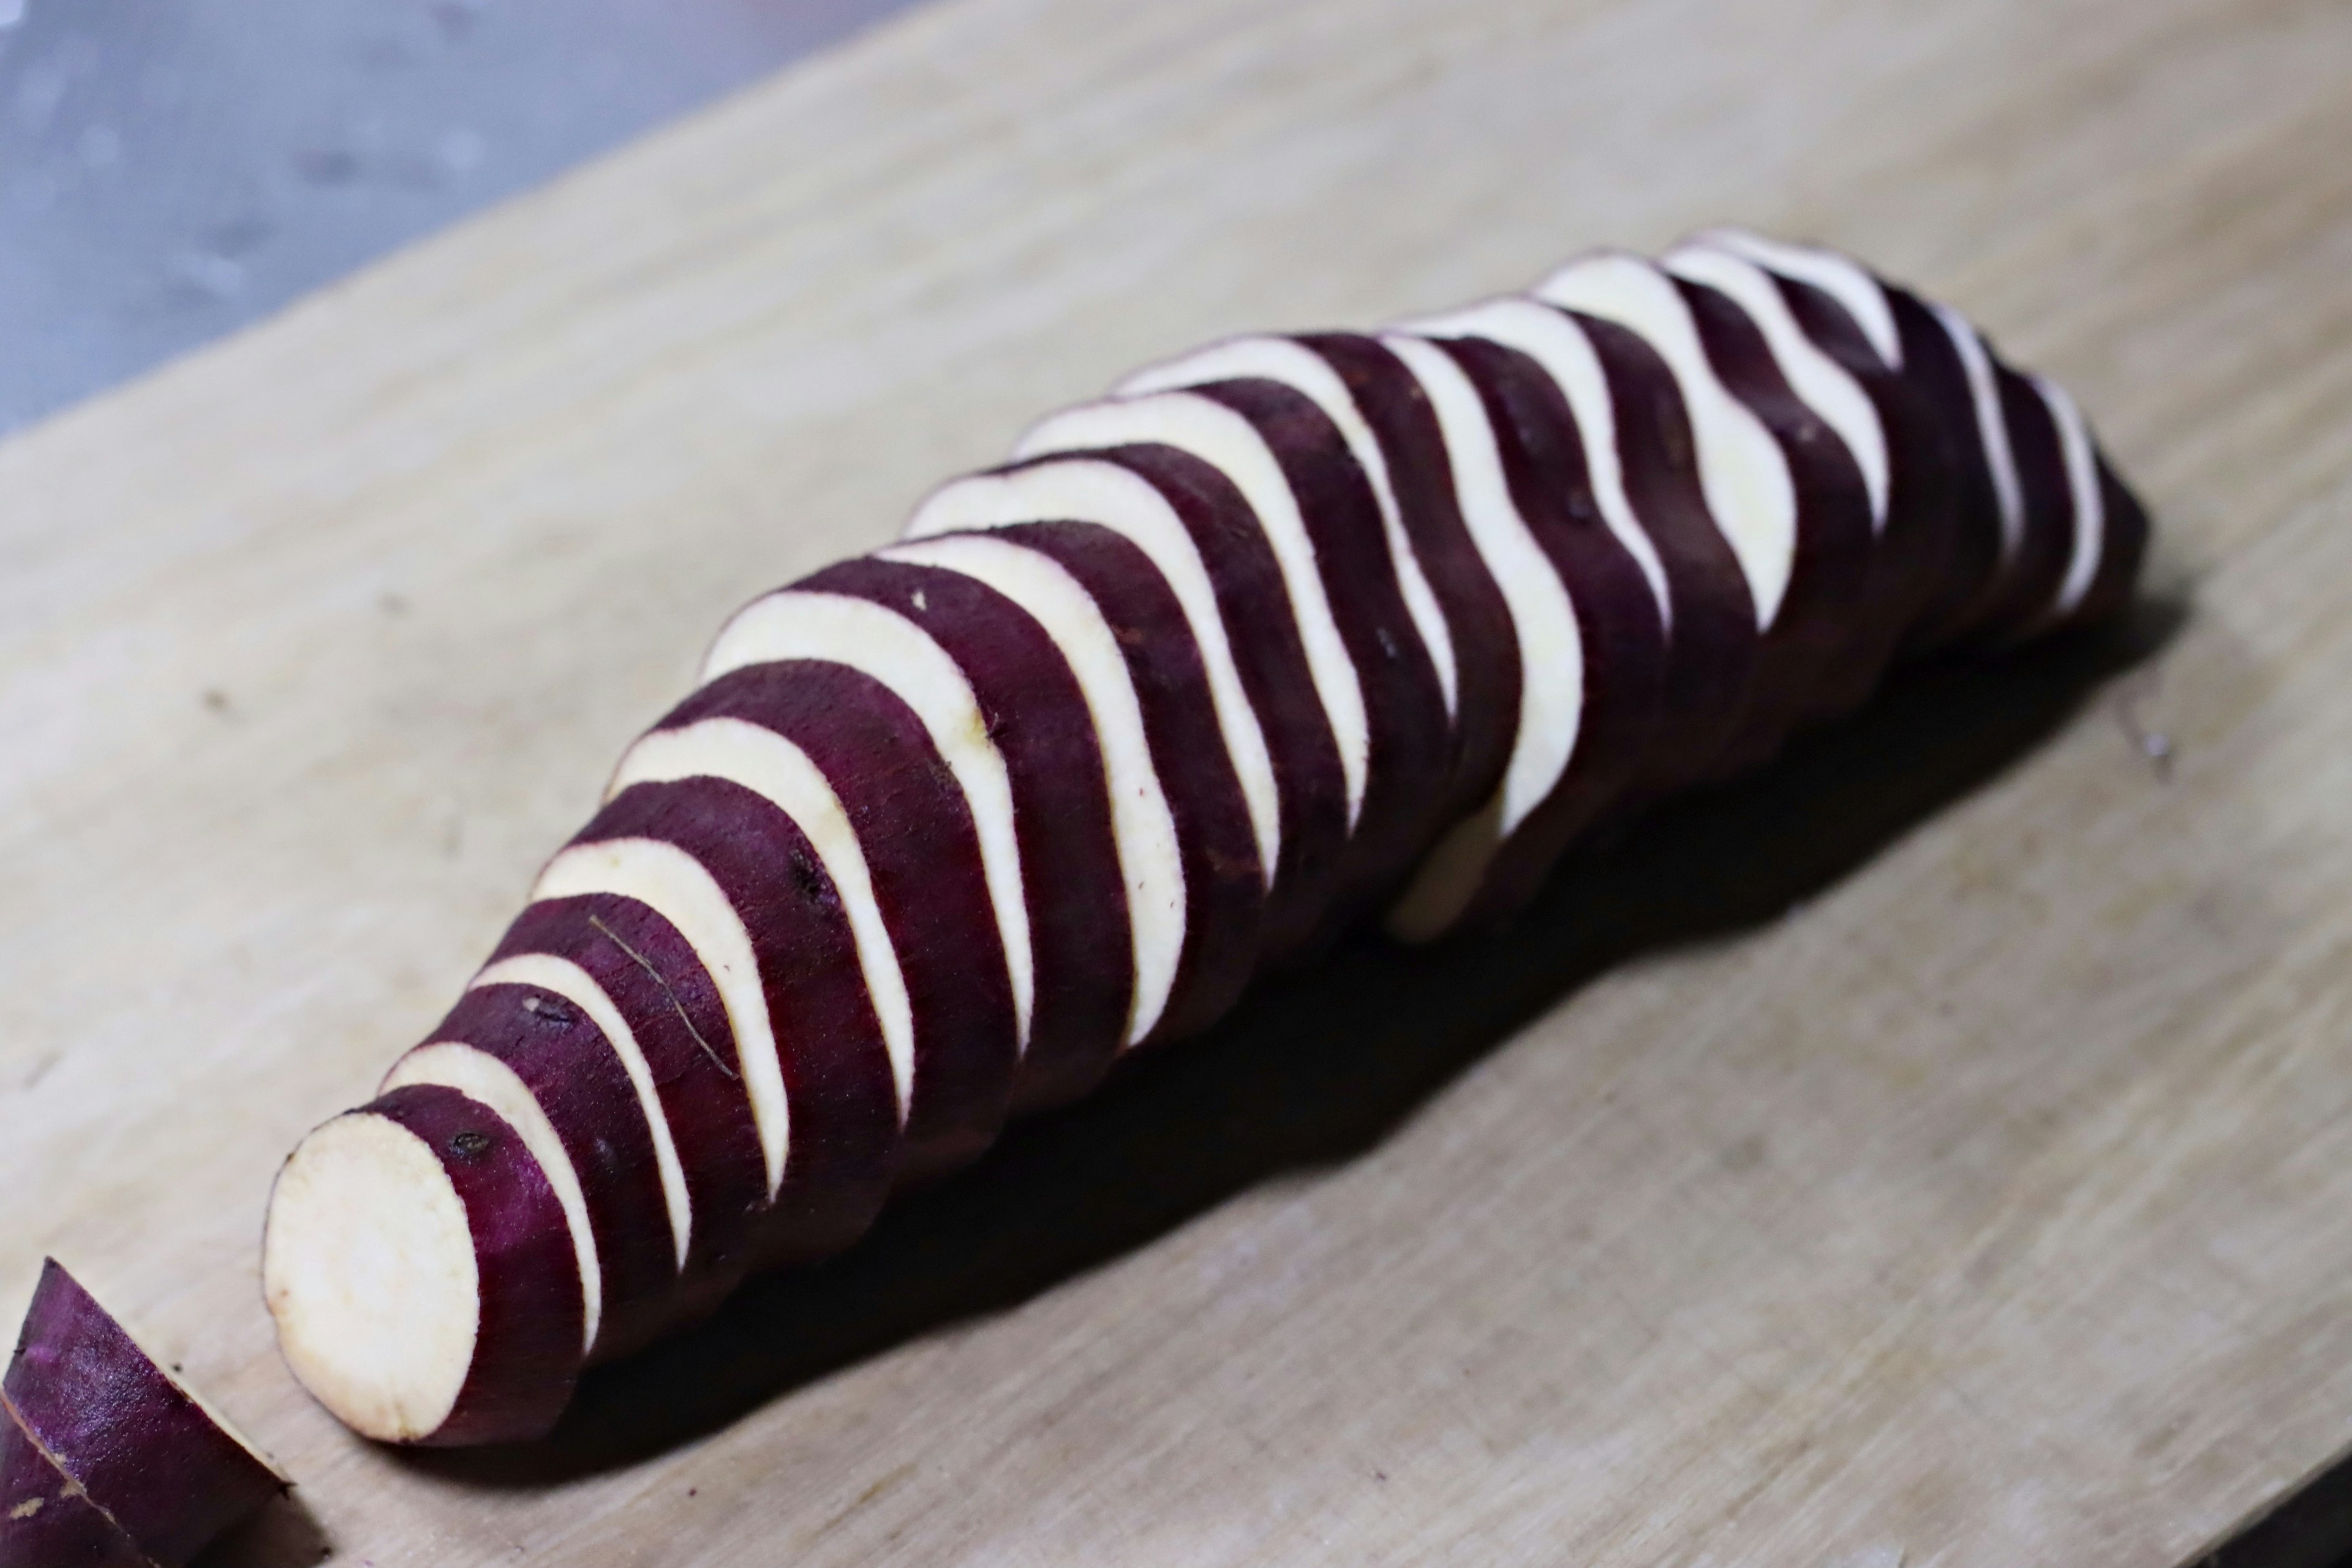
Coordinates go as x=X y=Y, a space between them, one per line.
x=486 y=1080
x=1089 y=490
x=676 y=886
x=2083 y=488
x=1822 y=384
x=577 y=986
x=368 y=1267
x=894 y=650
x=1559 y=346
x=1229 y=442
x=1143 y=828
x=1301 y=369
x=1551 y=650
x=779 y=772
x=1842 y=278
x=1741 y=467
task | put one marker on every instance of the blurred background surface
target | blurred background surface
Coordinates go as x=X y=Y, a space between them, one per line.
x=173 y=169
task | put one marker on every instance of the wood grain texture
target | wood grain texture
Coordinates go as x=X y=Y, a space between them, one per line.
x=1939 y=1150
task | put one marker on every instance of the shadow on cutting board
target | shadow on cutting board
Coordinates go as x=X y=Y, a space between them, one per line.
x=283 y=1534
x=1320 y=1066
x=2310 y=1526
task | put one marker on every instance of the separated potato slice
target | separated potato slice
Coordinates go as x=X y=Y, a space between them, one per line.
x=1856 y=291
x=1382 y=414
x=1143 y=826
x=1950 y=360
x=741 y=882
x=993 y=687
x=2033 y=566
x=1195 y=891
x=857 y=769
x=1374 y=674
x=1838 y=466
x=1804 y=565
x=1446 y=885
x=104 y=1457
x=1828 y=299
x=779 y=772
x=2110 y=535
x=549 y=1072
x=1199 y=533
x=1824 y=388
x=1618 y=394
x=641 y=983
x=806 y=622
x=1618 y=609
x=1298 y=365
x=422 y=1274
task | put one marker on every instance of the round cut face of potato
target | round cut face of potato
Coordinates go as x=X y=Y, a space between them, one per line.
x=369 y=1271
x=422 y=1275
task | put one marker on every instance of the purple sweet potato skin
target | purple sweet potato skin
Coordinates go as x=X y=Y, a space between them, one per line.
x=1405 y=707
x=1617 y=622
x=1270 y=658
x=1917 y=541
x=922 y=853
x=527 y=1349
x=661 y=990
x=1429 y=510
x=842 y=1101
x=1933 y=366
x=1713 y=655
x=1079 y=928
x=1811 y=645
x=113 y=1421
x=1224 y=885
x=573 y=1073
x=47 y=1521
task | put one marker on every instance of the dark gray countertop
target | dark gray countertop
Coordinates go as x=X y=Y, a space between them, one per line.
x=173 y=169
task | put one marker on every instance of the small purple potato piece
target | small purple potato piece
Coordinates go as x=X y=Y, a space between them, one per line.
x=105 y=1458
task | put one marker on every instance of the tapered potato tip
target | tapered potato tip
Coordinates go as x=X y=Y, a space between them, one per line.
x=422 y=1276
x=104 y=1458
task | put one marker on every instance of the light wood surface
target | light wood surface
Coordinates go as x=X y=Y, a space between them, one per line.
x=1939 y=1152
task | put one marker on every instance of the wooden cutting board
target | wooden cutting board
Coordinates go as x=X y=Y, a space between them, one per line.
x=1938 y=1151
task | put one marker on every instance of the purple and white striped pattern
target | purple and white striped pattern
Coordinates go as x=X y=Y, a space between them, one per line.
x=1282 y=635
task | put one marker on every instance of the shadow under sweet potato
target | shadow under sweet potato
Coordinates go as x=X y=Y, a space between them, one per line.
x=283 y=1534
x=1318 y=1065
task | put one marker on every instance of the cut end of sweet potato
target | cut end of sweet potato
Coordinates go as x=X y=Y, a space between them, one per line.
x=421 y=1273
x=369 y=1269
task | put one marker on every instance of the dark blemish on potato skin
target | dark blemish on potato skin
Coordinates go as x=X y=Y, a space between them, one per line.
x=552 y=1010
